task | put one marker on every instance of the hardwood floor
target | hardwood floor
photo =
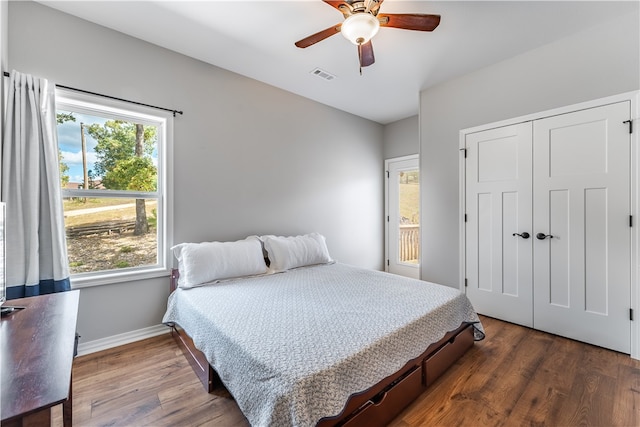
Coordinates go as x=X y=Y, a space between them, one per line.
x=515 y=377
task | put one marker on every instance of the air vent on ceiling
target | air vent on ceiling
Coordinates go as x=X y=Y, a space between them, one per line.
x=323 y=74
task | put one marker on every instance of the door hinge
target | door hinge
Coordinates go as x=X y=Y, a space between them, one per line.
x=387 y=174
x=388 y=263
x=630 y=220
x=465 y=217
x=387 y=218
x=631 y=314
x=630 y=125
x=466 y=283
x=465 y=152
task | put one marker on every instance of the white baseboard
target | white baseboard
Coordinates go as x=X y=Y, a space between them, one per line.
x=120 y=339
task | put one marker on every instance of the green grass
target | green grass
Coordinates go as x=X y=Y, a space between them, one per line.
x=126 y=212
x=410 y=202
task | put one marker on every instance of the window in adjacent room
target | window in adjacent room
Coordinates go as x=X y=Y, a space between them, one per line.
x=114 y=180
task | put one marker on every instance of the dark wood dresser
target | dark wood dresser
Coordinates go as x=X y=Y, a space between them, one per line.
x=36 y=355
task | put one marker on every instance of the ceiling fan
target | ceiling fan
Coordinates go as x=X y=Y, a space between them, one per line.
x=362 y=22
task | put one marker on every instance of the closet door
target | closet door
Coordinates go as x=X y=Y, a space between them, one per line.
x=498 y=207
x=582 y=259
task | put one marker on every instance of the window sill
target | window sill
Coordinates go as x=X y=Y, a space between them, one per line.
x=117 y=277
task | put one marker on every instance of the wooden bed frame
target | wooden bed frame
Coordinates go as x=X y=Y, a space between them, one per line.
x=376 y=406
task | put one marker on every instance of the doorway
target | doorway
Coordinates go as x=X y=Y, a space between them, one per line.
x=402 y=197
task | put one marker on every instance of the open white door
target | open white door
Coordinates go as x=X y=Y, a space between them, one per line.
x=403 y=216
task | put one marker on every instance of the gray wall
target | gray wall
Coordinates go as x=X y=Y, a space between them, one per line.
x=248 y=158
x=4 y=9
x=4 y=59
x=596 y=63
x=402 y=138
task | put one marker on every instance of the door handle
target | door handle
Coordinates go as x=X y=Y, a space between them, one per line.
x=524 y=235
x=542 y=236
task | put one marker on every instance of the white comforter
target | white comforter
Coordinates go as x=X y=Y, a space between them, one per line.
x=291 y=347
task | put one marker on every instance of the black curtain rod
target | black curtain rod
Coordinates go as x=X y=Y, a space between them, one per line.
x=6 y=74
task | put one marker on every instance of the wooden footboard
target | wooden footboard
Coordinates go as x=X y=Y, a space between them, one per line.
x=381 y=403
x=205 y=373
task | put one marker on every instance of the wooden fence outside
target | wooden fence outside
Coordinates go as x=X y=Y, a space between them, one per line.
x=109 y=227
x=409 y=243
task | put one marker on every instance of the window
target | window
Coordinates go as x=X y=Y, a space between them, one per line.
x=115 y=187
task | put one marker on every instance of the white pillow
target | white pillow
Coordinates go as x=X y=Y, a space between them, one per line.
x=296 y=251
x=206 y=262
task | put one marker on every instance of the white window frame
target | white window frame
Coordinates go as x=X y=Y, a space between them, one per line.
x=68 y=100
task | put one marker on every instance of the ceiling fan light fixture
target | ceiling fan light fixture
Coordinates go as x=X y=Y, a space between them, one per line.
x=359 y=28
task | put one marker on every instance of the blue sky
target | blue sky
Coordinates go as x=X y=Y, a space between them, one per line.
x=70 y=145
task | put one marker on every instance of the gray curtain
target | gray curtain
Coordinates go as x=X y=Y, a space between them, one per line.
x=36 y=249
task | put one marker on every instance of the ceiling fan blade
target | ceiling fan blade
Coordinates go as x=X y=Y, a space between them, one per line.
x=319 y=36
x=409 y=21
x=334 y=3
x=342 y=6
x=365 y=53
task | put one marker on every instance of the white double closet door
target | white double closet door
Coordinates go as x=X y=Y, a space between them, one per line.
x=563 y=181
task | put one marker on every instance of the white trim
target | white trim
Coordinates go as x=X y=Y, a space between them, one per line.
x=634 y=98
x=121 y=339
x=97 y=105
x=386 y=214
x=635 y=235
x=420 y=198
x=78 y=281
x=462 y=232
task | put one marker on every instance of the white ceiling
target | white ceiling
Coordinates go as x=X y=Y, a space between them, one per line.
x=256 y=39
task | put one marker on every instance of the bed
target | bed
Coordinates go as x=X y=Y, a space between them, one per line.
x=306 y=343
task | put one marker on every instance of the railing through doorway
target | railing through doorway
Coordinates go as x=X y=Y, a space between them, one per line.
x=409 y=246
